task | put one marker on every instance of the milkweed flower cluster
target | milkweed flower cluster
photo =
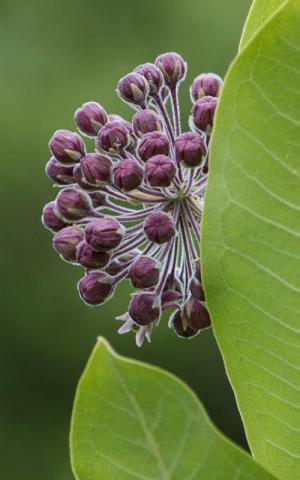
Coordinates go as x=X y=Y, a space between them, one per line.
x=132 y=208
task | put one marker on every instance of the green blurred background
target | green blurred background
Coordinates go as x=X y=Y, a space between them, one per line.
x=54 y=56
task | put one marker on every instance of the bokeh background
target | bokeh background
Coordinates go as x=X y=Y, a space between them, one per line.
x=55 y=55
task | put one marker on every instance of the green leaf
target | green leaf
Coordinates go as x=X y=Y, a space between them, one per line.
x=133 y=421
x=251 y=239
x=259 y=13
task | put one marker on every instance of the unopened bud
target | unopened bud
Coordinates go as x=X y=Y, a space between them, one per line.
x=196 y=289
x=160 y=171
x=81 y=180
x=195 y=314
x=128 y=174
x=144 y=272
x=153 y=76
x=203 y=113
x=96 y=168
x=104 y=234
x=146 y=121
x=73 y=204
x=59 y=173
x=159 y=227
x=153 y=143
x=133 y=88
x=88 y=258
x=144 y=308
x=173 y=68
x=99 y=199
x=180 y=326
x=95 y=288
x=114 y=137
x=67 y=147
x=206 y=84
x=90 y=118
x=121 y=262
x=66 y=241
x=190 y=148
x=52 y=218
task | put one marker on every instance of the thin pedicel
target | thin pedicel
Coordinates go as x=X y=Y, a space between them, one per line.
x=132 y=208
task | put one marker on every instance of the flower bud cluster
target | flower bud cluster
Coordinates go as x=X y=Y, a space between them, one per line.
x=132 y=207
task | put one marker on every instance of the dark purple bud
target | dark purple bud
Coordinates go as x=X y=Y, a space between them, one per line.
x=160 y=171
x=60 y=174
x=114 y=137
x=73 y=203
x=144 y=308
x=81 y=180
x=153 y=143
x=190 y=148
x=196 y=289
x=206 y=84
x=153 y=76
x=133 y=88
x=95 y=288
x=66 y=240
x=203 y=113
x=52 y=218
x=180 y=327
x=96 y=168
x=88 y=258
x=144 y=272
x=67 y=147
x=164 y=93
x=104 y=234
x=90 y=118
x=173 y=68
x=159 y=227
x=169 y=299
x=99 y=199
x=198 y=270
x=121 y=262
x=146 y=121
x=128 y=174
x=173 y=283
x=195 y=314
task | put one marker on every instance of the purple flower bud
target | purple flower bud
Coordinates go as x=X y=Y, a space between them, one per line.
x=190 y=148
x=173 y=68
x=159 y=227
x=95 y=288
x=99 y=199
x=144 y=308
x=67 y=147
x=121 y=262
x=51 y=218
x=88 y=258
x=128 y=174
x=164 y=93
x=198 y=270
x=81 y=180
x=153 y=143
x=133 y=88
x=144 y=272
x=90 y=118
x=196 y=289
x=114 y=137
x=180 y=327
x=153 y=76
x=203 y=113
x=60 y=174
x=73 y=203
x=169 y=299
x=206 y=84
x=66 y=240
x=96 y=168
x=195 y=314
x=160 y=171
x=104 y=234
x=146 y=121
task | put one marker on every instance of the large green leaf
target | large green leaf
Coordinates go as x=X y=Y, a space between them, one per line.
x=251 y=238
x=133 y=421
x=259 y=13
